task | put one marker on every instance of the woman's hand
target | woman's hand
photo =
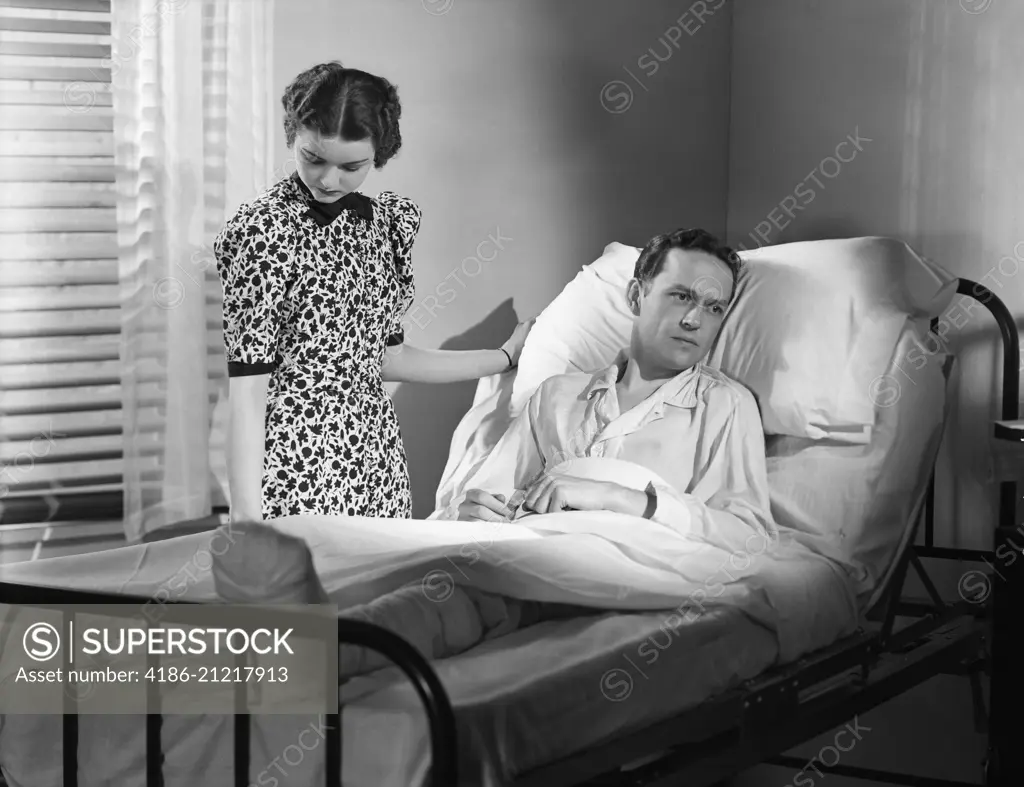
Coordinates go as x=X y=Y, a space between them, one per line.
x=514 y=345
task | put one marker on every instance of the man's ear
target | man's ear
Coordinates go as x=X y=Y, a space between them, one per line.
x=633 y=292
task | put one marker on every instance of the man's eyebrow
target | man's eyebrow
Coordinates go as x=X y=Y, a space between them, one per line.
x=689 y=291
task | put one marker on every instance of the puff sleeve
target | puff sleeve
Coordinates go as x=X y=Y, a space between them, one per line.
x=403 y=223
x=255 y=264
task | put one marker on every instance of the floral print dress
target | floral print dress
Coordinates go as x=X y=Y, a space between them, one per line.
x=313 y=295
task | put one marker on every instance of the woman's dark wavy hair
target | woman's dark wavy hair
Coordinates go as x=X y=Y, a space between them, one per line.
x=652 y=258
x=345 y=103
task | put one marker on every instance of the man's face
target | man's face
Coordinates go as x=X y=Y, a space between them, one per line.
x=679 y=317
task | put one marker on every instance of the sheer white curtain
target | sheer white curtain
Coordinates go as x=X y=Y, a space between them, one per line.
x=192 y=105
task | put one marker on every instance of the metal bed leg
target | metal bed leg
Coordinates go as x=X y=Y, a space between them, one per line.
x=70 y=752
x=69 y=721
x=154 y=750
x=154 y=730
x=929 y=498
x=1004 y=767
x=333 y=758
x=242 y=749
x=243 y=730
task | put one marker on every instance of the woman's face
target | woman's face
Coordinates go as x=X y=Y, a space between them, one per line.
x=331 y=167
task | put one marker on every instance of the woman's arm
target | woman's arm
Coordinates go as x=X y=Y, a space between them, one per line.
x=247 y=404
x=408 y=364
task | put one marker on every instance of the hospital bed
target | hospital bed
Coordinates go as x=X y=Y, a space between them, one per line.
x=616 y=699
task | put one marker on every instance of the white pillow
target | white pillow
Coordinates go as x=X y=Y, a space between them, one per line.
x=854 y=503
x=583 y=329
x=811 y=329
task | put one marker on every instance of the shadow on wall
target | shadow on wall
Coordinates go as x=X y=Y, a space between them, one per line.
x=429 y=414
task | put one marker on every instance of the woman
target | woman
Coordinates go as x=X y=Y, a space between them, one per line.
x=316 y=279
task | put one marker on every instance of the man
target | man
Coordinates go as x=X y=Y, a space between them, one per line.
x=697 y=431
x=659 y=407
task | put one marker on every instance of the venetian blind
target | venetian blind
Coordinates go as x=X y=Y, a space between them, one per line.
x=60 y=398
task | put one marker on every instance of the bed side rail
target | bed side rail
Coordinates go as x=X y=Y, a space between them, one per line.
x=1010 y=409
x=428 y=687
x=1005 y=589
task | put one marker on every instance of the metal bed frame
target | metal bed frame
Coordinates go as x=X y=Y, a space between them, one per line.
x=416 y=668
x=764 y=717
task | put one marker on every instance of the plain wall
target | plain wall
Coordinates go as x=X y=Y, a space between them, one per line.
x=508 y=127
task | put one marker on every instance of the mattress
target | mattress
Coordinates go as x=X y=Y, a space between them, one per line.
x=521 y=701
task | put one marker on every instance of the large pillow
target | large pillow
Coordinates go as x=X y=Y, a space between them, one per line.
x=583 y=329
x=811 y=330
x=853 y=503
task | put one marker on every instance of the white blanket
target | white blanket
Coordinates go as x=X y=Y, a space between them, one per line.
x=602 y=560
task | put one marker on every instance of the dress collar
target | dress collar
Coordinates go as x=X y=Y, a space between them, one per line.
x=324 y=213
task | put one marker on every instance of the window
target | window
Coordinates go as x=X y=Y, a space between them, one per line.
x=60 y=399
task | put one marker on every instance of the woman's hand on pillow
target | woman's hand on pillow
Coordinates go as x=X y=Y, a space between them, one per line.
x=482 y=506
x=516 y=342
x=554 y=492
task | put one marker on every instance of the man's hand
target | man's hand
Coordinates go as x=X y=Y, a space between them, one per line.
x=483 y=506
x=554 y=492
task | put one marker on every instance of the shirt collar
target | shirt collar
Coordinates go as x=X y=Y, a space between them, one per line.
x=680 y=391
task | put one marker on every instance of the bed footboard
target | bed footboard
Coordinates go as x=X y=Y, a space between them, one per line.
x=417 y=669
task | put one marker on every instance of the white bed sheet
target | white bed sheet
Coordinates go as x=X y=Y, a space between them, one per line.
x=601 y=560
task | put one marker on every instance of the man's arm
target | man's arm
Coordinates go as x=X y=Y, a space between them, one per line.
x=514 y=461
x=729 y=501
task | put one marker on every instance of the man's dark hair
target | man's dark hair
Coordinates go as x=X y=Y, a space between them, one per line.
x=652 y=258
